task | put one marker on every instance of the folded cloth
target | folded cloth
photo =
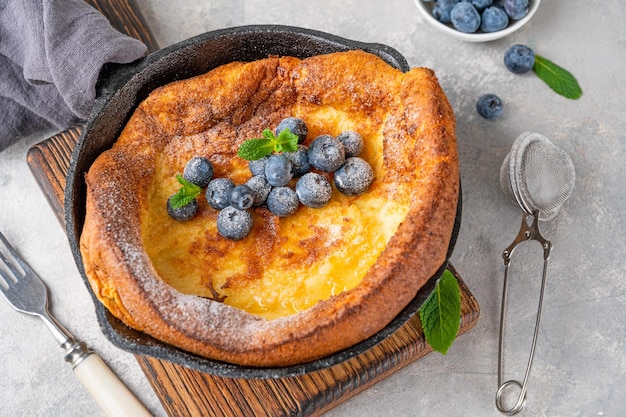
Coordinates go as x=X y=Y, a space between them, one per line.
x=51 y=52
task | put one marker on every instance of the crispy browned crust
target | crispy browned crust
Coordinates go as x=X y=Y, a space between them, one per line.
x=239 y=100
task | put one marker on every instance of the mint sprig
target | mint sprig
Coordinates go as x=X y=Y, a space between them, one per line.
x=558 y=79
x=441 y=313
x=186 y=194
x=257 y=148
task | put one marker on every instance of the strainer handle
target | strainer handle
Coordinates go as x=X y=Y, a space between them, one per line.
x=527 y=232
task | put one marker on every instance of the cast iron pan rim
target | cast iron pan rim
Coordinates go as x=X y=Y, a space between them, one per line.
x=111 y=86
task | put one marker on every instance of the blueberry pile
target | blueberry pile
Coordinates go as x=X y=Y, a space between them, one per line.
x=470 y=16
x=311 y=167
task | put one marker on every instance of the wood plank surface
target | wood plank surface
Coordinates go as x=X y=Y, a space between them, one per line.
x=185 y=392
x=126 y=18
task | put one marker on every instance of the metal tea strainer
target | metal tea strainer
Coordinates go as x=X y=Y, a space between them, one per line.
x=539 y=177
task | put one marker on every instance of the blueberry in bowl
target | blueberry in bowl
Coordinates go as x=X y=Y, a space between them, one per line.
x=477 y=20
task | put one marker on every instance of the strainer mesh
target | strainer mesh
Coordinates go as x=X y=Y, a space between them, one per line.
x=547 y=177
x=540 y=174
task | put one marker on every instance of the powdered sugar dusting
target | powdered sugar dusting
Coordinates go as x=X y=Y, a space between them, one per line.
x=158 y=308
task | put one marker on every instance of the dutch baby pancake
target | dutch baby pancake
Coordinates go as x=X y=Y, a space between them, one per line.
x=297 y=287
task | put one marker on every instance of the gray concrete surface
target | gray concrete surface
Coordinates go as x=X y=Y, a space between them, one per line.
x=580 y=363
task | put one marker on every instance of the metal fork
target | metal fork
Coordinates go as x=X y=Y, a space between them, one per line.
x=27 y=293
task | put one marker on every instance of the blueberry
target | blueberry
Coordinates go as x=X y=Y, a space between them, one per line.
x=465 y=17
x=233 y=223
x=519 y=59
x=480 y=5
x=295 y=126
x=260 y=189
x=282 y=201
x=198 y=171
x=489 y=106
x=442 y=10
x=493 y=19
x=516 y=9
x=354 y=177
x=278 y=170
x=257 y=166
x=299 y=161
x=326 y=153
x=352 y=143
x=241 y=197
x=183 y=213
x=218 y=193
x=314 y=190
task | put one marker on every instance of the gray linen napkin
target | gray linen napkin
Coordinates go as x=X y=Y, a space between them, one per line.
x=51 y=52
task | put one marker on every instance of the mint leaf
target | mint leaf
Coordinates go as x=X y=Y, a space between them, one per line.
x=180 y=200
x=186 y=194
x=558 y=79
x=268 y=134
x=441 y=313
x=286 y=141
x=254 y=149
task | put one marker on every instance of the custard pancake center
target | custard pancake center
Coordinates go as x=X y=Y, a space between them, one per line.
x=285 y=265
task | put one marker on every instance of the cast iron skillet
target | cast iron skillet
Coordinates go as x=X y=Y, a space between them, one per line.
x=122 y=87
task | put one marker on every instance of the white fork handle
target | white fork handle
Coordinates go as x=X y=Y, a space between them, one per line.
x=105 y=387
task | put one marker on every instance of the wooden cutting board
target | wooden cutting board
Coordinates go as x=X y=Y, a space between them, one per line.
x=185 y=392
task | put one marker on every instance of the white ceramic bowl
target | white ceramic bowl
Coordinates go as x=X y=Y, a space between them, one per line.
x=425 y=8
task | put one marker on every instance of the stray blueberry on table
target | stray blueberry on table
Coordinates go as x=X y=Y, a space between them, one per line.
x=295 y=126
x=199 y=171
x=314 y=190
x=257 y=166
x=326 y=153
x=233 y=223
x=241 y=197
x=465 y=17
x=489 y=106
x=442 y=10
x=519 y=59
x=218 y=193
x=494 y=19
x=278 y=170
x=354 y=177
x=260 y=189
x=299 y=161
x=282 y=201
x=352 y=143
x=183 y=213
x=516 y=9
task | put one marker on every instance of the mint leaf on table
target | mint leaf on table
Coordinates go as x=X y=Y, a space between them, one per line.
x=441 y=313
x=558 y=79
x=186 y=194
x=254 y=149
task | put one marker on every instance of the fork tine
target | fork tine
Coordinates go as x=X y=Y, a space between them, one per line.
x=5 y=281
x=9 y=265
